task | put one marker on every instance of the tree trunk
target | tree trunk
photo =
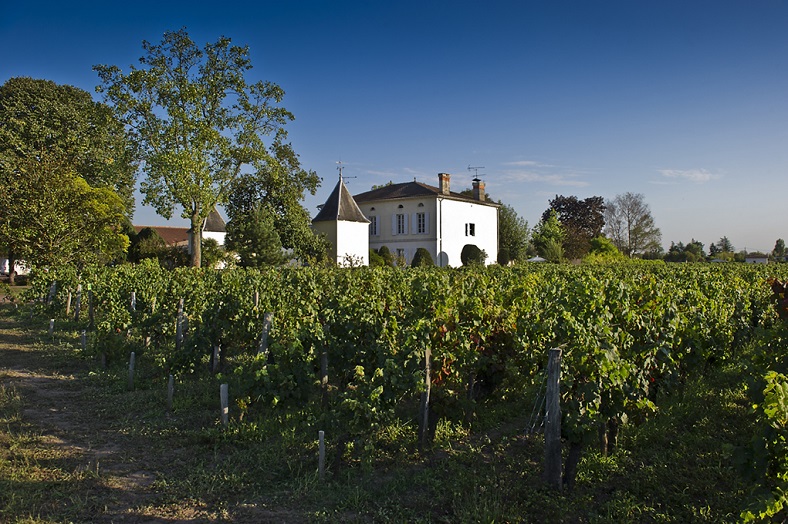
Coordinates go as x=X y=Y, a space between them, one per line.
x=196 y=238
x=11 y=268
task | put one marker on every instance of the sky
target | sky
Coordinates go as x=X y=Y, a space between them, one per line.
x=684 y=102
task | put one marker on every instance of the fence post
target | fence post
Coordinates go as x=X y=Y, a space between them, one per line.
x=324 y=376
x=224 y=397
x=78 y=305
x=179 y=327
x=133 y=304
x=321 y=461
x=132 y=359
x=424 y=432
x=552 y=433
x=217 y=355
x=51 y=327
x=68 y=303
x=84 y=340
x=262 y=349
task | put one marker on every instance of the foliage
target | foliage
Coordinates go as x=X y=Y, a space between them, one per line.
x=779 y=249
x=691 y=252
x=513 y=235
x=197 y=123
x=581 y=220
x=63 y=123
x=385 y=254
x=213 y=254
x=146 y=244
x=422 y=258
x=630 y=225
x=603 y=251
x=253 y=237
x=52 y=216
x=375 y=260
x=548 y=237
x=472 y=255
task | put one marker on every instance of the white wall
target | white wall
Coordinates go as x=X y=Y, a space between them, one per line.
x=347 y=239
x=446 y=236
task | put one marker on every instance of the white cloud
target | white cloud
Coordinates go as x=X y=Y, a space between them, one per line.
x=698 y=176
x=553 y=179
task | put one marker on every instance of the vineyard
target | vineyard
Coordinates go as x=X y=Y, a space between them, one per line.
x=358 y=352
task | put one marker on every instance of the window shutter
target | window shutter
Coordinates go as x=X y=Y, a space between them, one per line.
x=414 y=224
x=426 y=223
x=394 y=224
x=405 y=217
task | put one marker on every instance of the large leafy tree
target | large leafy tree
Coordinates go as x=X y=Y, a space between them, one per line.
x=198 y=123
x=630 y=225
x=253 y=237
x=52 y=216
x=513 y=234
x=548 y=237
x=56 y=134
x=582 y=220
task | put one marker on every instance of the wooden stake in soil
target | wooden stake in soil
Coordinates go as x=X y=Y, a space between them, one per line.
x=84 y=340
x=552 y=433
x=262 y=349
x=132 y=359
x=51 y=327
x=78 y=305
x=91 y=310
x=133 y=304
x=224 y=397
x=424 y=430
x=256 y=299
x=321 y=451
x=179 y=327
x=68 y=303
x=216 y=359
x=170 y=392
x=324 y=377
x=52 y=292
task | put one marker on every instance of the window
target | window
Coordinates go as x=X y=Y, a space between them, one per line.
x=373 y=225
x=401 y=227
x=401 y=257
x=470 y=230
x=421 y=223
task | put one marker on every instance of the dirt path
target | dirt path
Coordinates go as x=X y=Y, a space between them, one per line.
x=108 y=476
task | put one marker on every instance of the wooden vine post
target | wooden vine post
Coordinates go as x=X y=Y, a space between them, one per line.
x=262 y=349
x=552 y=433
x=424 y=429
x=179 y=327
x=78 y=304
x=224 y=398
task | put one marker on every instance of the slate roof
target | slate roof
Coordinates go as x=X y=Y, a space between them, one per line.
x=173 y=236
x=340 y=206
x=214 y=223
x=411 y=190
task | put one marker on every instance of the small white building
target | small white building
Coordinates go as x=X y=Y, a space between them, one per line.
x=345 y=227
x=756 y=258
x=411 y=215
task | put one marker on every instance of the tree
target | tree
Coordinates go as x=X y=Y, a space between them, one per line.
x=61 y=126
x=385 y=254
x=582 y=220
x=548 y=237
x=51 y=216
x=422 y=258
x=471 y=255
x=603 y=251
x=513 y=234
x=146 y=244
x=253 y=236
x=724 y=245
x=197 y=123
x=779 y=249
x=630 y=226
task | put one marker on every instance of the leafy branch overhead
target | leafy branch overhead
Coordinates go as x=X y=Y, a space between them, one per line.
x=198 y=123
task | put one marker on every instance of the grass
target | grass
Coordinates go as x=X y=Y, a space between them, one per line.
x=116 y=454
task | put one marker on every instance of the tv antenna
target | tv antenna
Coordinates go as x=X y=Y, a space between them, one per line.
x=475 y=169
x=340 y=167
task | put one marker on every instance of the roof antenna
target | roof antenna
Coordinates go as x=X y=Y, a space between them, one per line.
x=475 y=169
x=340 y=167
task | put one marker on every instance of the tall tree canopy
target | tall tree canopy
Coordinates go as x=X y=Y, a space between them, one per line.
x=582 y=220
x=630 y=226
x=51 y=216
x=55 y=141
x=197 y=123
x=548 y=237
x=513 y=234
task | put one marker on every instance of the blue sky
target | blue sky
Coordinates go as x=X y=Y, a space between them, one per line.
x=685 y=101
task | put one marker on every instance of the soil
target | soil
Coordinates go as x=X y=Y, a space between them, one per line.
x=65 y=414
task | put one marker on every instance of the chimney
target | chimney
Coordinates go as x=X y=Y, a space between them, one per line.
x=478 y=190
x=443 y=183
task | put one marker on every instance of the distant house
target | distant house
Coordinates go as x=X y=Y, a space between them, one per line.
x=345 y=227
x=213 y=227
x=756 y=258
x=411 y=215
